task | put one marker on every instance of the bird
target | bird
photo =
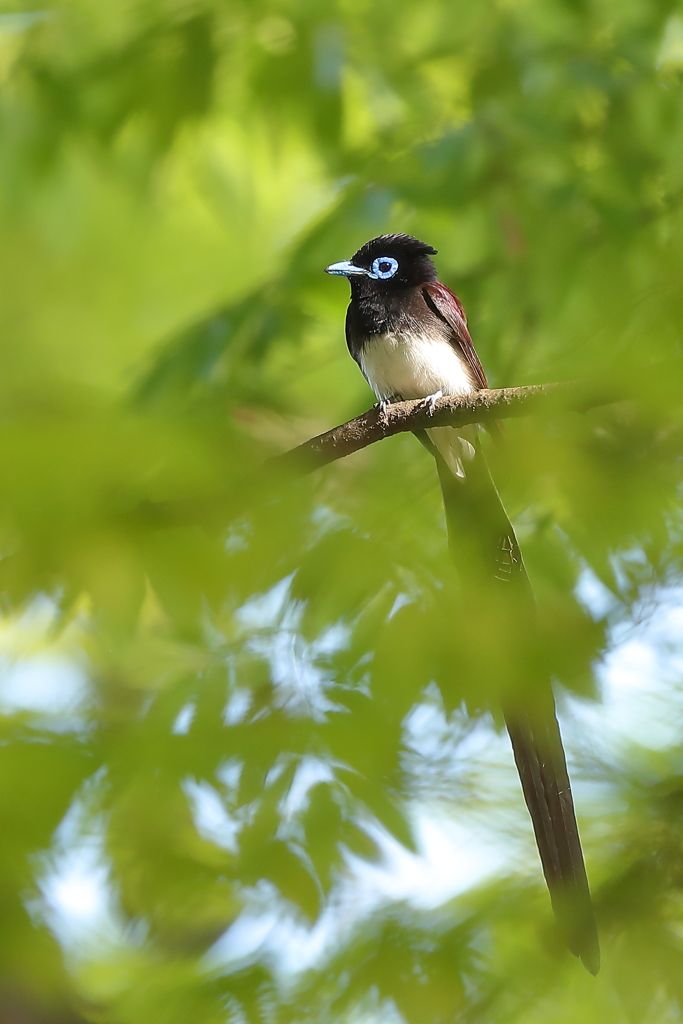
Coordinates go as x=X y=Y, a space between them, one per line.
x=408 y=333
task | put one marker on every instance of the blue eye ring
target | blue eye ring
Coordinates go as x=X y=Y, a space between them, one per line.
x=384 y=275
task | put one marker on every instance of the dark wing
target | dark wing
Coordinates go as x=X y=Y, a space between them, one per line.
x=355 y=336
x=447 y=306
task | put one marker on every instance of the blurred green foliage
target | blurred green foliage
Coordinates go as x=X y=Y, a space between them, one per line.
x=174 y=176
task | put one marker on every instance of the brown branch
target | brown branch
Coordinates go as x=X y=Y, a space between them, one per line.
x=480 y=407
x=454 y=411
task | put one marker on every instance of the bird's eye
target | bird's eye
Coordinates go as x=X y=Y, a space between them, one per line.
x=384 y=267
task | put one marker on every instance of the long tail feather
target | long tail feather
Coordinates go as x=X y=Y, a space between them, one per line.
x=483 y=541
x=539 y=756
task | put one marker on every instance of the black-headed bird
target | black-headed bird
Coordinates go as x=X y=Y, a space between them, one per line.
x=408 y=333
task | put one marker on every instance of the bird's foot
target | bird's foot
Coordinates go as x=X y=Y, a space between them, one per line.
x=383 y=407
x=430 y=402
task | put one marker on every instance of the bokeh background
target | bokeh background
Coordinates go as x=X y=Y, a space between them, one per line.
x=251 y=768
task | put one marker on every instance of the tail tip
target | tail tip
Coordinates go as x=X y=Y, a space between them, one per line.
x=591 y=961
x=588 y=952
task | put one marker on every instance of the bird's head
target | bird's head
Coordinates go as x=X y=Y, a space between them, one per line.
x=389 y=262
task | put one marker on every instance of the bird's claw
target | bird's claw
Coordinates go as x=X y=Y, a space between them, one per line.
x=431 y=400
x=383 y=406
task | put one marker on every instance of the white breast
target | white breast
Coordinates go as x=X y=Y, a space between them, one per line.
x=414 y=366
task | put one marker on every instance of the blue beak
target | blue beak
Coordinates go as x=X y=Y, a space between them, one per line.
x=347 y=269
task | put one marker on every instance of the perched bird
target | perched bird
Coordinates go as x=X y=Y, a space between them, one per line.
x=408 y=333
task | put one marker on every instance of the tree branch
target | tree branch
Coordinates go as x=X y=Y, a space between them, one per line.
x=450 y=411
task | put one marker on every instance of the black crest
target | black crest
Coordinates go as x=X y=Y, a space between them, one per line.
x=413 y=257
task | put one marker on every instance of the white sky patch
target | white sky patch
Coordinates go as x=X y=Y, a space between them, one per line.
x=49 y=684
x=266 y=610
x=76 y=893
x=237 y=705
x=458 y=845
x=184 y=719
x=596 y=598
x=43 y=671
x=452 y=857
x=77 y=901
x=210 y=816
x=640 y=679
x=310 y=772
x=296 y=666
x=455 y=851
